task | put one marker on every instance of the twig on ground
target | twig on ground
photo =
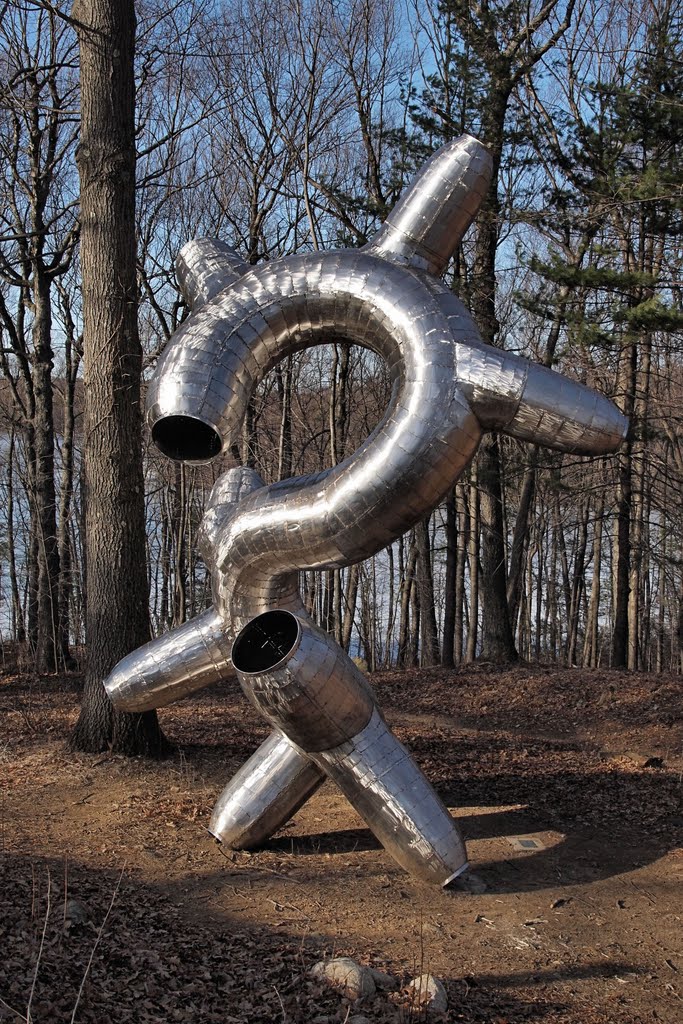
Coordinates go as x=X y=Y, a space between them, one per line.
x=11 y=1008
x=66 y=883
x=40 y=951
x=282 y=1005
x=95 y=945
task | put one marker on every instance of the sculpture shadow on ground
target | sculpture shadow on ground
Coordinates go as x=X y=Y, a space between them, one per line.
x=594 y=841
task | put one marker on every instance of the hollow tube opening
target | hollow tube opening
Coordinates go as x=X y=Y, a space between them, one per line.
x=186 y=439
x=265 y=642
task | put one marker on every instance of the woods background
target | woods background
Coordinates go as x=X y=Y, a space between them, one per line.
x=286 y=125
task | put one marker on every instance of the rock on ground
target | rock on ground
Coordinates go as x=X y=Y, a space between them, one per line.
x=429 y=993
x=75 y=913
x=344 y=974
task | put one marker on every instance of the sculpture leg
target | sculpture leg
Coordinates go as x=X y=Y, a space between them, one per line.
x=380 y=779
x=180 y=662
x=306 y=686
x=267 y=790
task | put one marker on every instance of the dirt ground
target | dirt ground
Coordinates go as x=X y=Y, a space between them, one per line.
x=582 y=926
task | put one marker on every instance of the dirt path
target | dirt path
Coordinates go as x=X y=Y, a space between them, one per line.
x=567 y=786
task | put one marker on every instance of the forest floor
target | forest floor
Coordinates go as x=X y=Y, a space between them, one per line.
x=582 y=926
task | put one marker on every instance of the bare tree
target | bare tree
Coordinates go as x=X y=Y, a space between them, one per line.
x=117 y=614
x=38 y=235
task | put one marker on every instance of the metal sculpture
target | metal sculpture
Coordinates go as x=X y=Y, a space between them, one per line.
x=448 y=388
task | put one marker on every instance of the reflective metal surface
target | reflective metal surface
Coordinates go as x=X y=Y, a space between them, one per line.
x=264 y=794
x=391 y=794
x=448 y=387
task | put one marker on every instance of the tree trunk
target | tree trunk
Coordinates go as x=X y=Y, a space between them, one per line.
x=473 y=631
x=448 y=640
x=430 y=641
x=498 y=643
x=529 y=483
x=349 y=606
x=66 y=496
x=283 y=376
x=553 y=609
x=663 y=553
x=33 y=568
x=519 y=538
x=622 y=538
x=18 y=626
x=463 y=531
x=497 y=640
x=117 y=618
x=590 y=647
x=636 y=627
x=578 y=585
x=180 y=515
x=406 y=588
x=413 y=659
x=47 y=652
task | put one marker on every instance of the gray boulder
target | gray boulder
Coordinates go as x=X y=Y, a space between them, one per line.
x=348 y=977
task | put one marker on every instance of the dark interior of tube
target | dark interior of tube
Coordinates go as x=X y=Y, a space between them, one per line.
x=265 y=641
x=186 y=439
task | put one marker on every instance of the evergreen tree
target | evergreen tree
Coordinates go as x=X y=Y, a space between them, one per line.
x=615 y=218
x=486 y=51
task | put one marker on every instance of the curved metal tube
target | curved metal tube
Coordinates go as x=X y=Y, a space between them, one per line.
x=448 y=387
x=379 y=777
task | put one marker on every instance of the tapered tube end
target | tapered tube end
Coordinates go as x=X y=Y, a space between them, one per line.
x=427 y=224
x=389 y=791
x=264 y=794
x=204 y=267
x=182 y=661
x=568 y=416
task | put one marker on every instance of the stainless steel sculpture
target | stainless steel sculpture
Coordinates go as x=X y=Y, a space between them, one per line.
x=448 y=388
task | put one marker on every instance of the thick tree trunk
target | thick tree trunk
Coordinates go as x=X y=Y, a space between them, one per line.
x=497 y=638
x=117 y=586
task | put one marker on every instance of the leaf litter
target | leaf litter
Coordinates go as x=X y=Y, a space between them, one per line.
x=173 y=928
